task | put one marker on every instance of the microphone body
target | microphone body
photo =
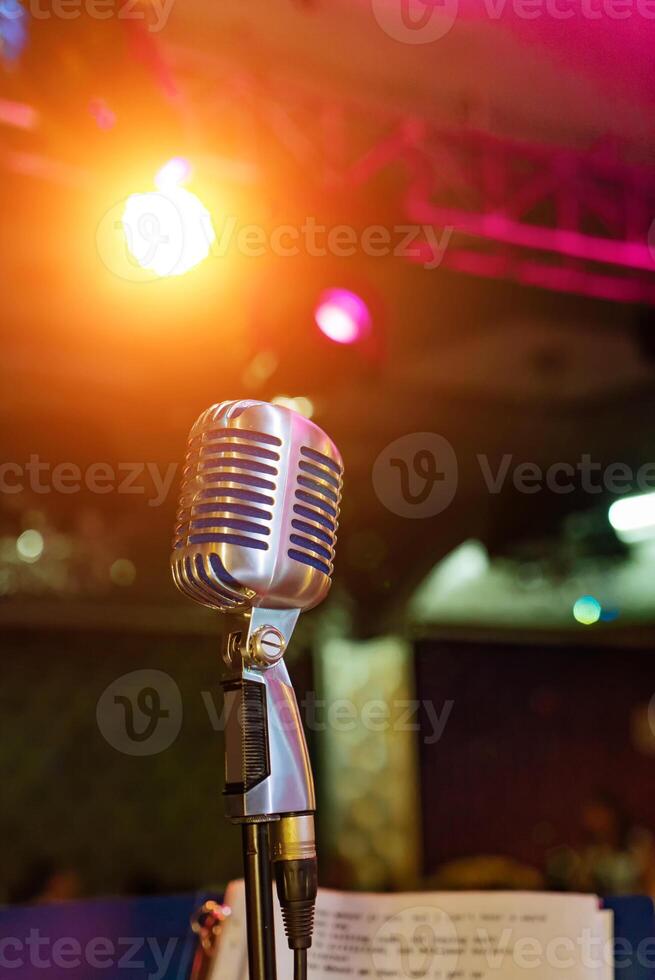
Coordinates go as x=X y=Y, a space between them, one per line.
x=255 y=538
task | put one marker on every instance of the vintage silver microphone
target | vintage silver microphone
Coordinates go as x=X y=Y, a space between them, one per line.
x=255 y=538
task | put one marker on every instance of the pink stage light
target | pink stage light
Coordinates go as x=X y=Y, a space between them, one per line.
x=342 y=316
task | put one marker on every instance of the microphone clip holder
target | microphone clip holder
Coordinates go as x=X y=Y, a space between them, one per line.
x=267 y=768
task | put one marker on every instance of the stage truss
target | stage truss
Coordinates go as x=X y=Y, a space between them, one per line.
x=577 y=220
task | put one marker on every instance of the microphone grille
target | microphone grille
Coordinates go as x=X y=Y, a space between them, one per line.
x=259 y=509
x=317 y=499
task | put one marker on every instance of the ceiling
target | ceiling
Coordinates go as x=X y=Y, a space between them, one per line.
x=566 y=80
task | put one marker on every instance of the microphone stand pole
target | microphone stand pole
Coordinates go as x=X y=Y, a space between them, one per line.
x=259 y=901
x=247 y=760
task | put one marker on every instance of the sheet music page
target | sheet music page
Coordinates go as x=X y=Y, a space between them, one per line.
x=606 y=935
x=438 y=936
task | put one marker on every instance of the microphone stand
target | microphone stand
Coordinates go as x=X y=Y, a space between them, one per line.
x=259 y=902
x=269 y=788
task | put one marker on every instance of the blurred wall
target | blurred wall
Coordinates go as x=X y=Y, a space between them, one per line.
x=534 y=731
x=128 y=811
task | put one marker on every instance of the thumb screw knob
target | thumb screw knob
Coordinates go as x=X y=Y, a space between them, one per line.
x=267 y=646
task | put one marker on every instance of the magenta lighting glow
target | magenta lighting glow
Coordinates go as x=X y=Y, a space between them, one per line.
x=342 y=316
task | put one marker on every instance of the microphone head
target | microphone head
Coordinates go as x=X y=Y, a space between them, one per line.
x=259 y=509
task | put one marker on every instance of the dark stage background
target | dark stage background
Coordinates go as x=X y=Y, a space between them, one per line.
x=124 y=823
x=534 y=732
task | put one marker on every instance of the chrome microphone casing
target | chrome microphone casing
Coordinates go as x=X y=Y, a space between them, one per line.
x=259 y=506
x=255 y=539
